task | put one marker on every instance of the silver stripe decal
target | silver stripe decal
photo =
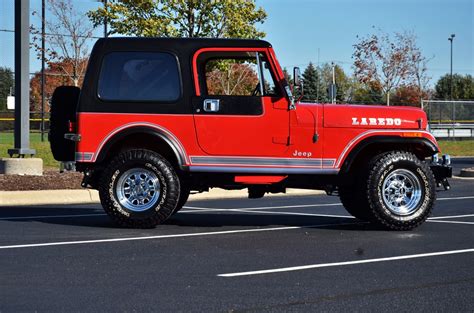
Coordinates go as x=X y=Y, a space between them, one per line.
x=84 y=156
x=88 y=156
x=263 y=161
x=262 y=170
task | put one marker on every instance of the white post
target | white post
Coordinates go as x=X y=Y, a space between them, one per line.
x=333 y=100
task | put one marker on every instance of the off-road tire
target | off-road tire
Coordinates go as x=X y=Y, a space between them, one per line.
x=150 y=162
x=63 y=111
x=183 y=197
x=412 y=174
x=354 y=197
x=354 y=201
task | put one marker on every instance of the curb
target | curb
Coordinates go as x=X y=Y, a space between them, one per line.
x=467 y=172
x=89 y=196
x=48 y=197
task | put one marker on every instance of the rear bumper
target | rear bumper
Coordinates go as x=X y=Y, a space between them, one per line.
x=442 y=170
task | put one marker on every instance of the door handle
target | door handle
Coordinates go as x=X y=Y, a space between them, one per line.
x=211 y=105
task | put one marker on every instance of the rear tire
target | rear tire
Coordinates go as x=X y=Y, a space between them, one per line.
x=139 y=189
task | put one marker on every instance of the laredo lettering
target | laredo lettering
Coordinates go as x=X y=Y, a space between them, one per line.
x=380 y=121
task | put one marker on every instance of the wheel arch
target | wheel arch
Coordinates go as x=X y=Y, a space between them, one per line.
x=421 y=147
x=144 y=137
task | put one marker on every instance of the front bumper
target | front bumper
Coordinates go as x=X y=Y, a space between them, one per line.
x=442 y=170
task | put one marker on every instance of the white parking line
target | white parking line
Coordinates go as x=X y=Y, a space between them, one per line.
x=293 y=213
x=321 y=265
x=452 y=216
x=455 y=198
x=226 y=232
x=451 y=222
x=50 y=216
x=262 y=208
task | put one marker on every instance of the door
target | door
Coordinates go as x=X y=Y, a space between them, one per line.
x=240 y=109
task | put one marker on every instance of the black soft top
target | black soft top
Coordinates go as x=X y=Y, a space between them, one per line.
x=184 y=45
x=183 y=48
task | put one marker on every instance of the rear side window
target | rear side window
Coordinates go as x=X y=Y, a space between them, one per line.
x=139 y=76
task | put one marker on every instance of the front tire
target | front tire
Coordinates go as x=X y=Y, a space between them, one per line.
x=400 y=191
x=183 y=198
x=139 y=189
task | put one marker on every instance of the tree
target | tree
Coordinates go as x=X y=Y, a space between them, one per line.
x=463 y=87
x=53 y=78
x=370 y=93
x=418 y=83
x=231 y=78
x=311 y=83
x=287 y=76
x=382 y=59
x=182 y=18
x=6 y=83
x=67 y=36
x=343 y=82
x=409 y=95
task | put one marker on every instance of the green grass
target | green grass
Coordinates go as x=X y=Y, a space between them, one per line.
x=42 y=148
x=457 y=148
x=453 y=148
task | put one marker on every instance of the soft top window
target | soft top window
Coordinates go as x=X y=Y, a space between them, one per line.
x=139 y=76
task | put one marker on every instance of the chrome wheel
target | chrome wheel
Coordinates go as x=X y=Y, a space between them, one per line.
x=402 y=192
x=138 y=189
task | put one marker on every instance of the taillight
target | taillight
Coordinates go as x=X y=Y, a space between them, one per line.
x=71 y=126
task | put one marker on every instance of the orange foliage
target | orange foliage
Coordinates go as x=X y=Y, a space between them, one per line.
x=54 y=77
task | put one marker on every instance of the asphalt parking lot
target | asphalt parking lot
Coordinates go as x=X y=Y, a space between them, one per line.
x=272 y=254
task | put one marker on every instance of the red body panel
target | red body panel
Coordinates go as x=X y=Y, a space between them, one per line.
x=236 y=135
x=314 y=137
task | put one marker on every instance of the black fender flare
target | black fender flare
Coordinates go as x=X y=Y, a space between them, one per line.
x=159 y=133
x=352 y=156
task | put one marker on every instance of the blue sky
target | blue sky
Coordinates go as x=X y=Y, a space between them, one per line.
x=298 y=28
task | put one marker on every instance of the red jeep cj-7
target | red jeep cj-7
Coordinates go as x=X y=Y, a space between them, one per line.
x=159 y=118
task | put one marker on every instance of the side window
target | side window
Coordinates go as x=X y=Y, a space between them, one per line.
x=236 y=74
x=269 y=86
x=139 y=76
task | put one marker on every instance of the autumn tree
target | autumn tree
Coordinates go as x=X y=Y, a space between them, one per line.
x=183 y=18
x=384 y=59
x=418 y=81
x=231 y=78
x=53 y=78
x=409 y=95
x=67 y=36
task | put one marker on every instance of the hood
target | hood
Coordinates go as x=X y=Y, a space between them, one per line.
x=371 y=116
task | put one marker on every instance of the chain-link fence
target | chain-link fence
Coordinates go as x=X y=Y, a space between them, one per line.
x=450 y=119
x=449 y=112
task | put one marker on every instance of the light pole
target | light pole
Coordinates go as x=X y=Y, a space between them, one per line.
x=105 y=19
x=451 y=38
x=42 y=67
